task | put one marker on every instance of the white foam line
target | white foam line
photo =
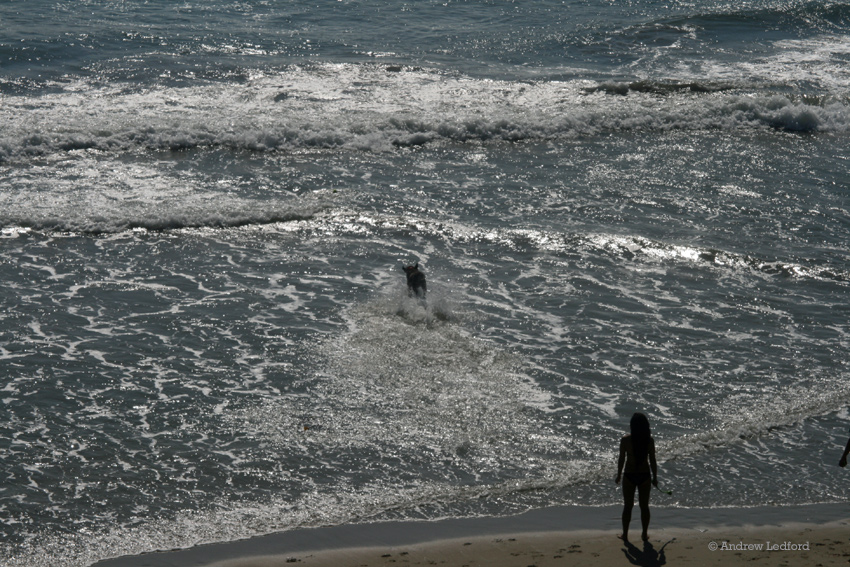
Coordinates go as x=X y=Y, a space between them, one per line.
x=324 y=109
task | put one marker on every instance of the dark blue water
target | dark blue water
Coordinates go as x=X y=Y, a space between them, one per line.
x=618 y=207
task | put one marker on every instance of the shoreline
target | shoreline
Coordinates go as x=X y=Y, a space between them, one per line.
x=547 y=536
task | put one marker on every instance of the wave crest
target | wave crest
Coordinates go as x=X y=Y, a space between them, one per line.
x=373 y=108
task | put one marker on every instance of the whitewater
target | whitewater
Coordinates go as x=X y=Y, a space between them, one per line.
x=205 y=207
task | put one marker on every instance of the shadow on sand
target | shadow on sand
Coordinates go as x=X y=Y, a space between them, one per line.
x=646 y=557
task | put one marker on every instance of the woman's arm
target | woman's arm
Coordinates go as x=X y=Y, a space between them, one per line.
x=653 y=465
x=621 y=461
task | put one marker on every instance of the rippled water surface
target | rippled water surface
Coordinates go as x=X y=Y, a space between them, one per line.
x=205 y=331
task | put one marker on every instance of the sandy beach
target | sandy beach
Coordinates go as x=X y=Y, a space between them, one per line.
x=791 y=545
x=816 y=535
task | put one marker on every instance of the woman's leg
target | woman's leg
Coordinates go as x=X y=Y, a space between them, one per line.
x=628 y=505
x=643 y=501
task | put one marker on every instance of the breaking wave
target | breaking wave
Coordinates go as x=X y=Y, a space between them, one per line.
x=379 y=108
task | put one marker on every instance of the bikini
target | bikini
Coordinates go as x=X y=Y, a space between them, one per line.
x=637 y=478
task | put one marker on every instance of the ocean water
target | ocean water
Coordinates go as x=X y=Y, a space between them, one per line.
x=619 y=206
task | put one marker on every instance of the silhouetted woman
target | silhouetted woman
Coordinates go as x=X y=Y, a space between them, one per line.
x=637 y=453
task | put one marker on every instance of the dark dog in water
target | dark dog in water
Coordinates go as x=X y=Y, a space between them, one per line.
x=415 y=281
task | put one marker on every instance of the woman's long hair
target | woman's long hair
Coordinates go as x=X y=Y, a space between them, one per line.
x=640 y=437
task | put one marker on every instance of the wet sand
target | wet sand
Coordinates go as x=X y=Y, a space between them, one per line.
x=775 y=536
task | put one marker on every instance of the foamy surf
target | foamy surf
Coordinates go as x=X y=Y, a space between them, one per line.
x=372 y=107
x=206 y=334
